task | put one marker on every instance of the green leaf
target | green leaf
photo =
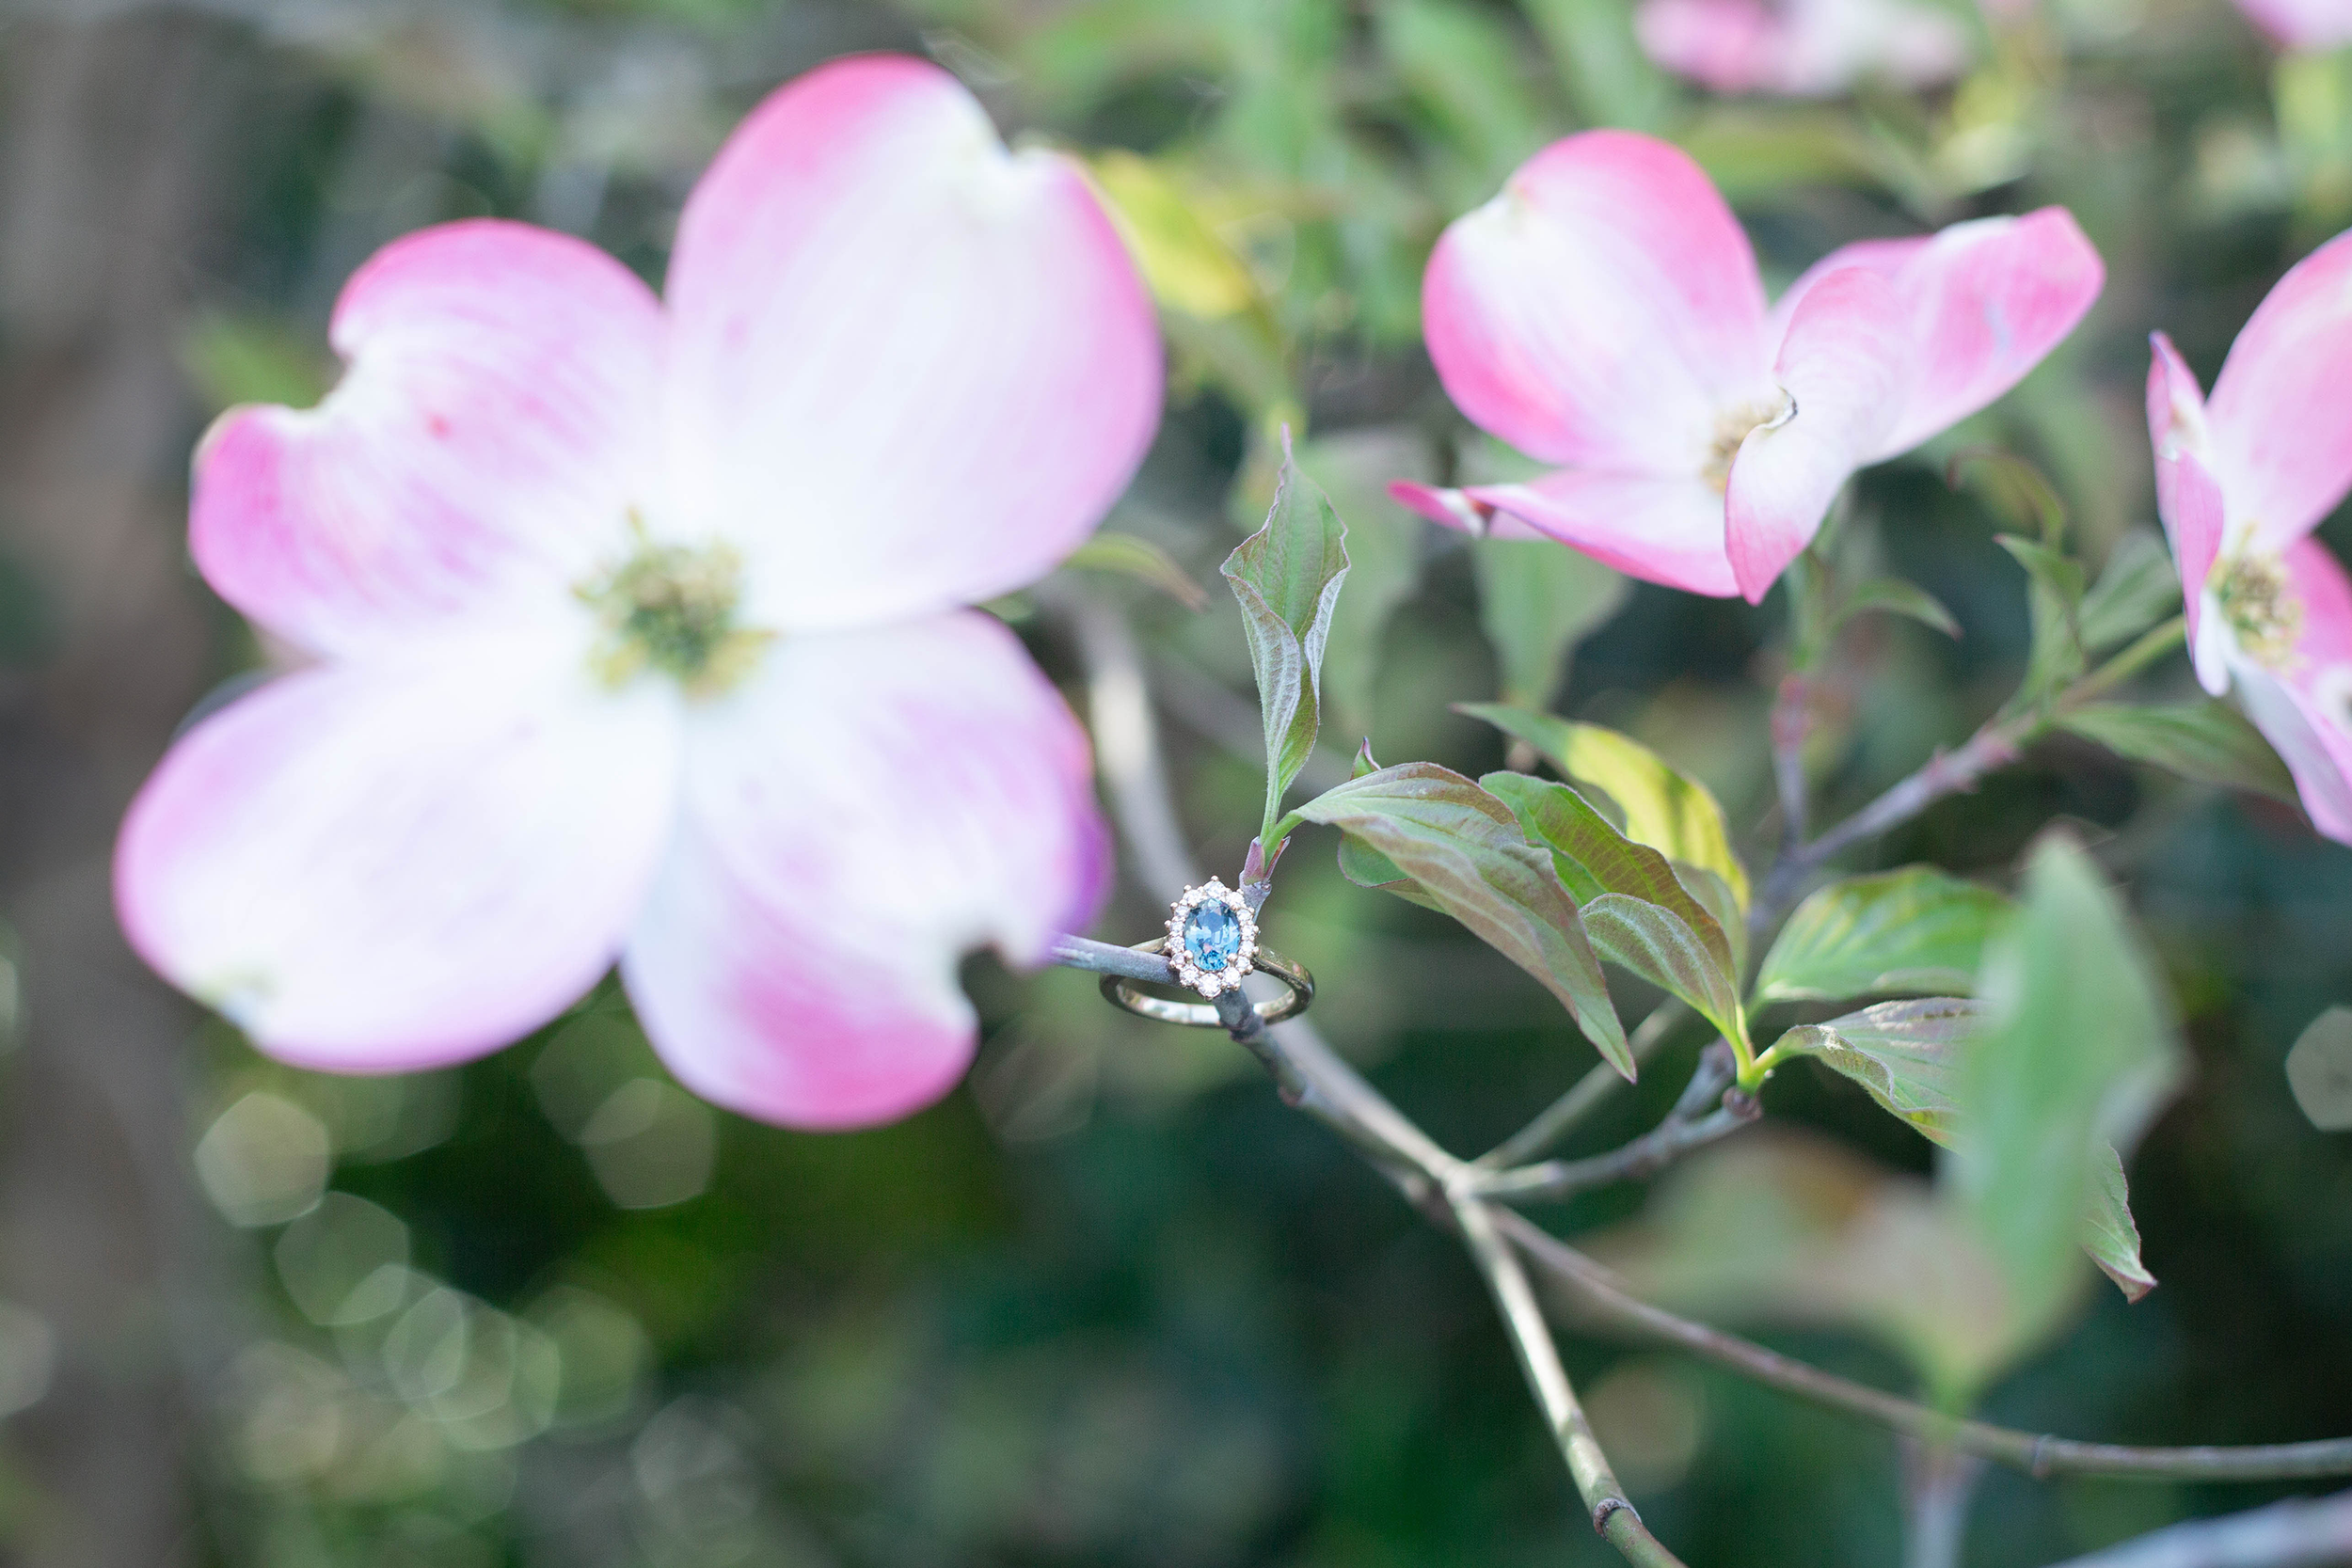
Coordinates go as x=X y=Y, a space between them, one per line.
x=1128 y=556
x=1465 y=852
x=2079 y=1050
x=2138 y=587
x=1665 y=809
x=2109 y=1233
x=1894 y=597
x=1914 y=930
x=1536 y=600
x=1384 y=554
x=1636 y=910
x=1367 y=867
x=1906 y=1055
x=1188 y=266
x=2207 y=740
x=2053 y=594
x=1287 y=576
x=1715 y=895
x=1903 y=1053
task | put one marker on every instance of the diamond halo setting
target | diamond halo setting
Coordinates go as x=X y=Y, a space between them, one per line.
x=1211 y=938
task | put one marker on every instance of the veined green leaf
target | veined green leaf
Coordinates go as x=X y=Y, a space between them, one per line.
x=1715 y=895
x=1670 y=812
x=1913 y=930
x=2109 y=1233
x=2138 y=587
x=1906 y=1056
x=1636 y=910
x=1464 y=850
x=1287 y=576
x=1536 y=600
x=2078 y=1051
x=1384 y=545
x=1367 y=867
x=1905 y=1053
x=2207 y=740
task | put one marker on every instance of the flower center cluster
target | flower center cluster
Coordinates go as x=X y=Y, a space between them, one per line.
x=670 y=609
x=2252 y=592
x=1732 y=427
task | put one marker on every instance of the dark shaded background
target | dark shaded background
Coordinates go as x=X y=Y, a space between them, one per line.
x=1109 y=1304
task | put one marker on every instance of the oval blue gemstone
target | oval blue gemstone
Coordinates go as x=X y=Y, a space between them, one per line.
x=1212 y=936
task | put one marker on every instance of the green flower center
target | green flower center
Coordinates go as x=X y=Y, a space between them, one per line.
x=2261 y=606
x=670 y=609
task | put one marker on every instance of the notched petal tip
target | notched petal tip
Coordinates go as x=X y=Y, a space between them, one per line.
x=1455 y=509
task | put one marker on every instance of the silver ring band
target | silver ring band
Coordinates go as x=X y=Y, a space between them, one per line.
x=1202 y=1015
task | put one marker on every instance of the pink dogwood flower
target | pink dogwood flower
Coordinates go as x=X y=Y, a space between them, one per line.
x=1803 y=48
x=1604 y=314
x=2242 y=479
x=638 y=628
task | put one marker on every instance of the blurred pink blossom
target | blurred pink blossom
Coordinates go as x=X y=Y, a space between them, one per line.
x=1604 y=314
x=638 y=628
x=2242 y=479
x=1803 y=48
x=2303 y=23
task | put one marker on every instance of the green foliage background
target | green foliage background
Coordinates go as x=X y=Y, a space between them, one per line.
x=1110 y=1303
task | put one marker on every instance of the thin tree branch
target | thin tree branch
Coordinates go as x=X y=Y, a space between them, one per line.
x=1687 y=1127
x=1614 y=1515
x=2302 y=1532
x=1560 y=1117
x=2039 y=1455
x=1995 y=745
x=2000 y=741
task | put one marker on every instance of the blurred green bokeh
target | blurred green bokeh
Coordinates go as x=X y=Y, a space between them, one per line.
x=1110 y=1303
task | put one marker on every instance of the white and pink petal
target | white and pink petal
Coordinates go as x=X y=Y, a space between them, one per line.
x=1987 y=301
x=870 y=808
x=1664 y=528
x=1602 y=310
x=1843 y=370
x=2191 y=502
x=2280 y=420
x=2305 y=706
x=494 y=427
x=382 y=868
x=911 y=370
